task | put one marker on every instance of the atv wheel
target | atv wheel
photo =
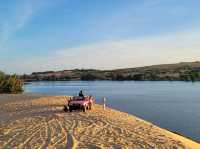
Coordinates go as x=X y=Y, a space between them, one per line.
x=66 y=108
x=70 y=109
x=84 y=108
x=90 y=106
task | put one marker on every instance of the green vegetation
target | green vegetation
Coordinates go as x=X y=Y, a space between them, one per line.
x=91 y=75
x=10 y=84
x=88 y=76
x=190 y=76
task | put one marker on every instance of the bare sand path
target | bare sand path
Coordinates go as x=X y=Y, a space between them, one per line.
x=41 y=123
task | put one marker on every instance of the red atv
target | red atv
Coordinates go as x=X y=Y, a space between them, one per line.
x=79 y=103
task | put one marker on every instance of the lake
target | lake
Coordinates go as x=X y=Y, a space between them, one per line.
x=171 y=105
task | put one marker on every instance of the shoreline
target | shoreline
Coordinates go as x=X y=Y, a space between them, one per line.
x=173 y=132
x=115 y=127
x=29 y=82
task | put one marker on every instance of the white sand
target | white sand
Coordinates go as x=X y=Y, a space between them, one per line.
x=41 y=123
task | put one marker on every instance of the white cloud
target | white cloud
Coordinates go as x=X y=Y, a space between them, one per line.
x=18 y=18
x=177 y=47
x=183 y=46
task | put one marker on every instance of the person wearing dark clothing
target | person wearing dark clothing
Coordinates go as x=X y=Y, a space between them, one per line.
x=81 y=94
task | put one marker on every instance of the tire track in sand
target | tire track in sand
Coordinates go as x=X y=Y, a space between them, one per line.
x=71 y=141
x=47 y=140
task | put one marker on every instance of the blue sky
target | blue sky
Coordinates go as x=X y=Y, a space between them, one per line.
x=45 y=35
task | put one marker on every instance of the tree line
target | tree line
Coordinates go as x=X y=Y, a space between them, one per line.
x=121 y=76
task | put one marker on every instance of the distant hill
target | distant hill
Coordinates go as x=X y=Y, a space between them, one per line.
x=184 y=71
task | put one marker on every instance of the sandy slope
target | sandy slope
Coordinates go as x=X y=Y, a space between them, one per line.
x=41 y=123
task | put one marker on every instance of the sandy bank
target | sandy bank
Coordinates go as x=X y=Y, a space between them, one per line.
x=41 y=123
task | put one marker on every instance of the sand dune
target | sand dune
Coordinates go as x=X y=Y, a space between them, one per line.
x=41 y=123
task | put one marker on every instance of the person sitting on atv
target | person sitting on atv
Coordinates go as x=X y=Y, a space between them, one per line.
x=81 y=94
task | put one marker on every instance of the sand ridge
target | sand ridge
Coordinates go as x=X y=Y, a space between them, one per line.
x=41 y=123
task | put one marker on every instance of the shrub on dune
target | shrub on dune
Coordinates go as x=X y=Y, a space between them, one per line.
x=10 y=84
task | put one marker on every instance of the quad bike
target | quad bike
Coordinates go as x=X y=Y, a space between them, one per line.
x=79 y=103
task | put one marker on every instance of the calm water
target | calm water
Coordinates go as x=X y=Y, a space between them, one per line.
x=171 y=105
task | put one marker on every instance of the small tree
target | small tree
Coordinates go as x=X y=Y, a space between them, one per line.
x=2 y=75
x=2 y=79
x=10 y=84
